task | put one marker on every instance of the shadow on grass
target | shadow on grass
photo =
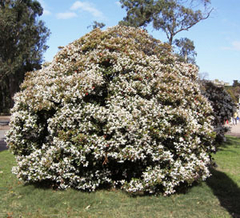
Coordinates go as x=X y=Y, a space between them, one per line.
x=231 y=140
x=3 y=146
x=227 y=191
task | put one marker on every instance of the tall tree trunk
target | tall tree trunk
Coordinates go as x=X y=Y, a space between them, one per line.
x=12 y=88
x=3 y=99
x=4 y=96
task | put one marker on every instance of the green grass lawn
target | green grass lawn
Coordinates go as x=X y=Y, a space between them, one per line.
x=218 y=197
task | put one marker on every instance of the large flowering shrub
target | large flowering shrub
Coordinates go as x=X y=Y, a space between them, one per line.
x=113 y=108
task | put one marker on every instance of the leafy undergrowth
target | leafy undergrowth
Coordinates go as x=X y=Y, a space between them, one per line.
x=218 y=197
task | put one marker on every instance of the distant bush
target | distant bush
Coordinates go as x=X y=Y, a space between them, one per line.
x=223 y=107
x=113 y=108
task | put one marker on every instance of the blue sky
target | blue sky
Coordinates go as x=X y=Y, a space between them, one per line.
x=217 y=39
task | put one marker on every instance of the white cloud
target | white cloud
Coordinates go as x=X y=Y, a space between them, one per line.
x=235 y=46
x=86 y=6
x=118 y=4
x=66 y=15
x=44 y=6
x=46 y=12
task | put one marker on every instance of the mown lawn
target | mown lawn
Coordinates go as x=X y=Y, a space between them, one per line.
x=218 y=197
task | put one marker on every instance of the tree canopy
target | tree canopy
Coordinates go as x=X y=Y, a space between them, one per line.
x=186 y=50
x=223 y=107
x=22 y=42
x=96 y=25
x=234 y=91
x=171 y=16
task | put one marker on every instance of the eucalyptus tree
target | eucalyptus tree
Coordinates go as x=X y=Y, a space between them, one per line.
x=170 y=16
x=186 y=50
x=22 y=43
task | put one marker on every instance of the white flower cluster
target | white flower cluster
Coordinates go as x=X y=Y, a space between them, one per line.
x=113 y=108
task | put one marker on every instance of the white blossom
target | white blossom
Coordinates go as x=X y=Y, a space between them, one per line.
x=114 y=107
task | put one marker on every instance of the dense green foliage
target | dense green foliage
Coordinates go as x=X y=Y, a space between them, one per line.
x=22 y=43
x=186 y=51
x=113 y=108
x=234 y=91
x=96 y=25
x=223 y=107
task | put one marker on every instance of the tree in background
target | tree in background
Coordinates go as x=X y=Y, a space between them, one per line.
x=236 y=83
x=170 y=16
x=22 y=43
x=96 y=25
x=223 y=107
x=234 y=91
x=186 y=50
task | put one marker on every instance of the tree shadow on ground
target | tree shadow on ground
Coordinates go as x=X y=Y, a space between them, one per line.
x=3 y=145
x=227 y=191
x=230 y=140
